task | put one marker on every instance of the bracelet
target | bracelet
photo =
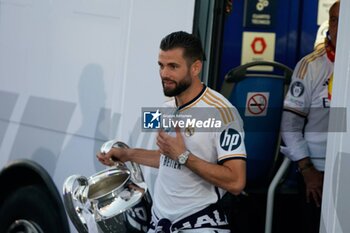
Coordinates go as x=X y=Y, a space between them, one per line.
x=305 y=167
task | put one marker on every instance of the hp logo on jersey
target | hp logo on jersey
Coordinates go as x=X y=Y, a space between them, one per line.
x=230 y=139
x=151 y=119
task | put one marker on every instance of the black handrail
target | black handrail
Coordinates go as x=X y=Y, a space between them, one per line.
x=237 y=74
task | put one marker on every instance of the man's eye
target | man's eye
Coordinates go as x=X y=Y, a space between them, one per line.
x=334 y=19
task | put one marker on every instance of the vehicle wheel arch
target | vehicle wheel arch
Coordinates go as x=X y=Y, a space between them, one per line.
x=21 y=173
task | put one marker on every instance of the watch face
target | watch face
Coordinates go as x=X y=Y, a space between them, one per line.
x=182 y=159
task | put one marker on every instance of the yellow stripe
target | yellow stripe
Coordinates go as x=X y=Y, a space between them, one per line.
x=217 y=107
x=221 y=106
x=302 y=65
x=311 y=57
x=316 y=55
x=232 y=156
x=226 y=107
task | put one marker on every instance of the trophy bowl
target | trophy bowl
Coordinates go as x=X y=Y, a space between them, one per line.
x=106 y=183
x=116 y=199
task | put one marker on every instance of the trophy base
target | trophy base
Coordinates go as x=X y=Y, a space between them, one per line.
x=112 y=225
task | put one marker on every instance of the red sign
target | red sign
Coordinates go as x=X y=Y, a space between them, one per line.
x=258 y=45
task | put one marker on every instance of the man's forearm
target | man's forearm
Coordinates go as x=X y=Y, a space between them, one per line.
x=230 y=176
x=144 y=157
x=305 y=164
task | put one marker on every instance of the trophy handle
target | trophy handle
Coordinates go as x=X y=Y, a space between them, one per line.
x=74 y=198
x=134 y=168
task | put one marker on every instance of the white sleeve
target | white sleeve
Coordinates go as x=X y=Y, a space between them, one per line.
x=230 y=142
x=299 y=95
x=292 y=134
x=296 y=109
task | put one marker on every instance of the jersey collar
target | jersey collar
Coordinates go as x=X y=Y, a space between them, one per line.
x=330 y=50
x=194 y=100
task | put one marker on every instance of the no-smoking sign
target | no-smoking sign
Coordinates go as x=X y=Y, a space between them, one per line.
x=257 y=103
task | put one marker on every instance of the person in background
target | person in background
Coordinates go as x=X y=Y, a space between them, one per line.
x=305 y=120
x=195 y=167
x=321 y=35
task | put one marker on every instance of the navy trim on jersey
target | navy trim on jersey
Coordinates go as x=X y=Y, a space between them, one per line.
x=217 y=193
x=194 y=99
x=221 y=162
x=296 y=113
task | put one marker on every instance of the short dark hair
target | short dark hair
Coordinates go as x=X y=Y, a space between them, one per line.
x=191 y=44
x=334 y=5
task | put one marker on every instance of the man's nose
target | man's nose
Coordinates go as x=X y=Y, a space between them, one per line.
x=164 y=72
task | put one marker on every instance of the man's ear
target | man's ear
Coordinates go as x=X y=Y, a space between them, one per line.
x=196 y=67
x=328 y=36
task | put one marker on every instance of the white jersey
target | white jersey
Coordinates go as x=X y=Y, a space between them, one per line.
x=179 y=192
x=306 y=108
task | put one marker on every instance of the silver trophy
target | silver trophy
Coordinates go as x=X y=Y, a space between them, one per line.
x=116 y=198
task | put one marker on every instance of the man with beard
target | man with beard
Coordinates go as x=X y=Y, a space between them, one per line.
x=305 y=121
x=196 y=168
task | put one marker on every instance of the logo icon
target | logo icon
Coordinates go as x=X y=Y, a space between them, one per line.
x=297 y=89
x=151 y=119
x=230 y=139
x=262 y=4
x=189 y=131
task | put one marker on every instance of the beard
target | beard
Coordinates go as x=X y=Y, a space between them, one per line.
x=180 y=86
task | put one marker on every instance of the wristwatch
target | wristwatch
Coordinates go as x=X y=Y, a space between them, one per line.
x=182 y=159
